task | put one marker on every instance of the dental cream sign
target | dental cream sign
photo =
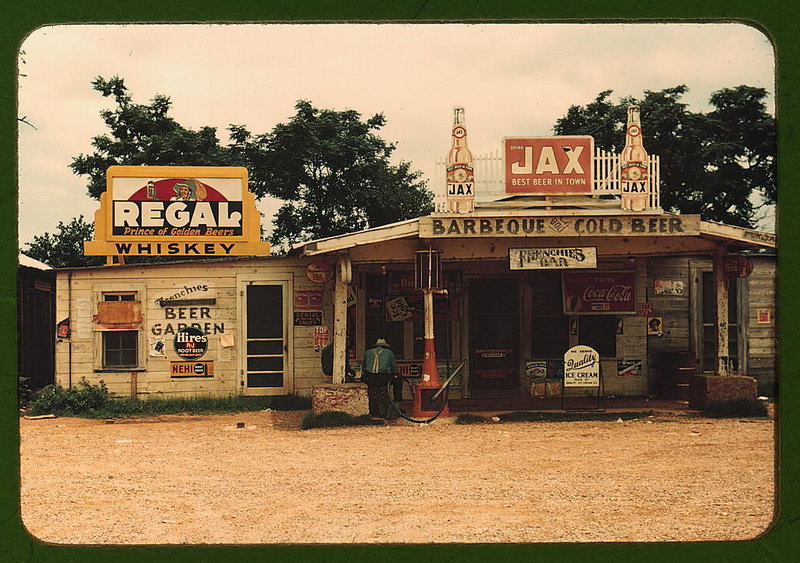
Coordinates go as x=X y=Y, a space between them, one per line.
x=177 y=210
x=548 y=165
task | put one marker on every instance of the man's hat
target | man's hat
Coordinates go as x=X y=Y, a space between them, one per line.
x=382 y=342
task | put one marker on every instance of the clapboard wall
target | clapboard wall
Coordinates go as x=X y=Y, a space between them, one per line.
x=79 y=356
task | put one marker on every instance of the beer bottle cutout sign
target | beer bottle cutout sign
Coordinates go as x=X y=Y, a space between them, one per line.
x=460 y=176
x=634 y=181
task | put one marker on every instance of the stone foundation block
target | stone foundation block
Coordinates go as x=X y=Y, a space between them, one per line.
x=704 y=389
x=346 y=397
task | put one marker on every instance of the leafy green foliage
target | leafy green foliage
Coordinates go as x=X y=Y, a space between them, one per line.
x=84 y=397
x=25 y=392
x=64 y=248
x=333 y=419
x=559 y=416
x=736 y=408
x=144 y=134
x=711 y=163
x=93 y=401
x=333 y=173
x=329 y=167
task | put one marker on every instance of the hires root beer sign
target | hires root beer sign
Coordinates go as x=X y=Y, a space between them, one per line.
x=599 y=293
x=176 y=210
x=548 y=165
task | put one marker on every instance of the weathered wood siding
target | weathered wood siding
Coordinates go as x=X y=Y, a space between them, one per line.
x=80 y=356
x=763 y=337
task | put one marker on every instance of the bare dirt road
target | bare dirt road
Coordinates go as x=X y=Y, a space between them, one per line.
x=202 y=480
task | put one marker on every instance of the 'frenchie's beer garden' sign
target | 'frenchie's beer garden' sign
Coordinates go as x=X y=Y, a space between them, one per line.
x=177 y=210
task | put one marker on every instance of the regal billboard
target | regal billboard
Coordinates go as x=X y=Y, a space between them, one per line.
x=548 y=165
x=177 y=210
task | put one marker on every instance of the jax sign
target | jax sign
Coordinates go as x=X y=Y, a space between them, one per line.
x=176 y=210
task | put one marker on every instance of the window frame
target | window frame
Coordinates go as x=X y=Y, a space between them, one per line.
x=131 y=293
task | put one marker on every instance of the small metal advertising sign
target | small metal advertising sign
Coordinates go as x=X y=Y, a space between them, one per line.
x=599 y=293
x=571 y=257
x=307 y=318
x=191 y=369
x=319 y=272
x=581 y=367
x=190 y=343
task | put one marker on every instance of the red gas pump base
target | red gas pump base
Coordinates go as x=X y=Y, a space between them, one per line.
x=424 y=406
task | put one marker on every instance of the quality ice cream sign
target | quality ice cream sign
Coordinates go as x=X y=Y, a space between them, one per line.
x=581 y=367
x=175 y=210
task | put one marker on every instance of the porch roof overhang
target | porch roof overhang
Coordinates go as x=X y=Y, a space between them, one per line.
x=735 y=237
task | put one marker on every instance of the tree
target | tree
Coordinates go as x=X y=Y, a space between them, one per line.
x=144 y=135
x=330 y=168
x=333 y=173
x=64 y=249
x=712 y=163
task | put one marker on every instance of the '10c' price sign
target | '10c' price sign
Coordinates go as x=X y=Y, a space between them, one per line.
x=190 y=343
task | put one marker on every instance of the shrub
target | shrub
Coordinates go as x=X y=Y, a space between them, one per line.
x=333 y=419
x=82 y=398
x=736 y=408
x=468 y=418
x=24 y=391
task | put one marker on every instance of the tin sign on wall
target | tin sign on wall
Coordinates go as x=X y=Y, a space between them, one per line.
x=581 y=367
x=190 y=343
x=599 y=292
x=191 y=369
x=548 y=165
x=572 y=257
x=319 y=272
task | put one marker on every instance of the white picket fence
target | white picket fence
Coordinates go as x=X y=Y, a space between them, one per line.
x=490 y=178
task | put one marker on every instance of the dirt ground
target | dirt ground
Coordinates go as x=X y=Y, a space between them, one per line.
x=183 y=479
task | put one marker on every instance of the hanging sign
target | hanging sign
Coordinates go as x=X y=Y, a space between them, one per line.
x=319 y=272
x=581 y=367
x=177 y=211
x=599 y=292
x=552 y=258
x=190 y=343
x=548 y=165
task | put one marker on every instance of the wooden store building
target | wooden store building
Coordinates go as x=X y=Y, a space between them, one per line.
x=553 y=244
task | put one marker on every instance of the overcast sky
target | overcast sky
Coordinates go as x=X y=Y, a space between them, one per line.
x=512 y=79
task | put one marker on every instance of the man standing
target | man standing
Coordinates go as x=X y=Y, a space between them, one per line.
x=379 y=365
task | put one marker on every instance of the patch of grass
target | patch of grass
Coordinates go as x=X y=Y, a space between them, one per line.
x=736 y=408
x=333 y=419
x=468 y=418
x=93 y=401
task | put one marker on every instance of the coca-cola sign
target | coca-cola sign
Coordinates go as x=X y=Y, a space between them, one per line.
x=599 y=293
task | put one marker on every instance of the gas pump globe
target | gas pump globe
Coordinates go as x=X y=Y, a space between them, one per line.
x=428 y=279
x=428 y=269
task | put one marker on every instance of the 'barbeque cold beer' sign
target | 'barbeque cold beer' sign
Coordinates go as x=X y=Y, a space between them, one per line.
x=177 y=210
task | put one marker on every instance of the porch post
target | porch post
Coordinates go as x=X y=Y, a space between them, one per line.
x=342 y=280
x=721 y=286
